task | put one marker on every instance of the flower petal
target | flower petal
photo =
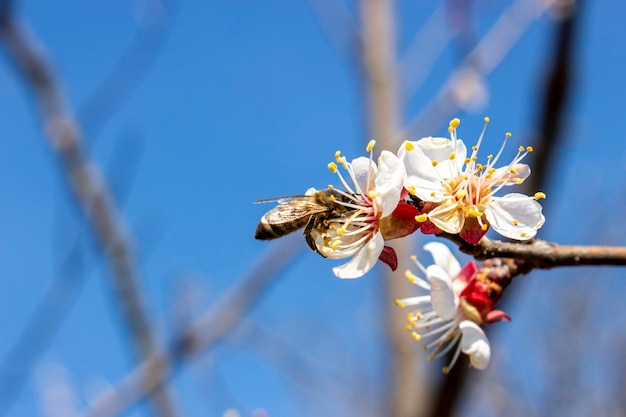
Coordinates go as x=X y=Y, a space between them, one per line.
x=389 y=181
x=440 y=150
x=444 y=258
x=444 y=300
x=421 y=175
x=520 y=172
x=362 y=167
x=516 y=216
x=363 y=261
x=475 y=344
x=448 y=217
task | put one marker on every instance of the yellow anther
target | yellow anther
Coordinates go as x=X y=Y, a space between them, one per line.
x=411 y=189
x=479 y=167
x=539 y=195
x=413 y=258
x=435 y=162
x=341 y=231
x=452 y=335
x=513 y=171
x=445 y=369
x=465 y=177
x=335 y=244
x=410 y=316
x=326 y=223
x=425 y=347
x=452 y=156
x=338 y=156
x=432 y=193
x=507 y=134
x=518 y=181
x=408 y=327
x=370 y=145
x=467 y=160
x=515 y=222
x=409 y=275
x=332 y=198
x=399 y=303
x=484 y=227
x=474 y=158
x=332 y=167
x=372 y=194
x=454 y=123
x=460 y=194
x=486 y=119
x=418 y=316
x=331 y=227
x=475 y=213
x=416 y=336
x=521 y=149
x=475 y=148
x=490 y=156
x=421 y=218
x=330 y=186
x=408 y=145
x=523 y=234
x=529 y=149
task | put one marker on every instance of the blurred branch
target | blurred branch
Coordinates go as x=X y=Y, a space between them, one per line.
x=202 y=334
x=338 y=25
x=465 y=83
x=406 y=395
x=89 y=189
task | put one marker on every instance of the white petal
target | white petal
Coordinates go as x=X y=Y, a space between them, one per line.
x=362 y=167
x=442 y=296
x=421 y=174
x=389 y=181
x=475 y=344
x=522 y=171
x=363 y=261
x=444 y=258
x=440 y=149
x=448 y=217
x=501 y=213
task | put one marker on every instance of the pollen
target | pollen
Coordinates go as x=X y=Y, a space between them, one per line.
x=421 y=218
x=338 y=156
x=529 y=149
x=411 y=189
x=332 y=167
x=507 y=134
x=399 y=303
x=341 y=231
x=475 y=213
x=408 y=146
x=372 y=194
x=332 y=198
x=335 y=244
x=513 y=171
x=410 y=277
x=486 y=119
x=452 y=156
x=413 y=258
x=454 y=123
x=435 y=162
x=484 y=227
x=416 y=336
x=515 y=222
x=467 y=160
x=539 y=195
x=460 y=194
x=521 y=149
x=475 y=148
x=370 y=145
x=408 y=327
x=518 y=181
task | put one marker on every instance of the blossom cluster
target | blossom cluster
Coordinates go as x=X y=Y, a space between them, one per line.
x=438 y=186
x=433 y=185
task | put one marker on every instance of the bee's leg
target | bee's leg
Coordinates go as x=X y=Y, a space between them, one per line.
x=313 y=223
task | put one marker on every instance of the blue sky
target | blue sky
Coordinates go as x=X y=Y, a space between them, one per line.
x=248 y=101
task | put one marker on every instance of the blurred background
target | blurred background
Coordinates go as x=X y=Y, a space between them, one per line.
x=135 y=135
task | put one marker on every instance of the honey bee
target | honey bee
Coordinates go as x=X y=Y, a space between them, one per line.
x=295 y=212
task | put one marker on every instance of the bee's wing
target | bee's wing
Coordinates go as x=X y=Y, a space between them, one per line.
x=293 y=209
x=282 y=200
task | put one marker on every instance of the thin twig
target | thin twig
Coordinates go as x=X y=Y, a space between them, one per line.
x=539 y=254
x=90 y=191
